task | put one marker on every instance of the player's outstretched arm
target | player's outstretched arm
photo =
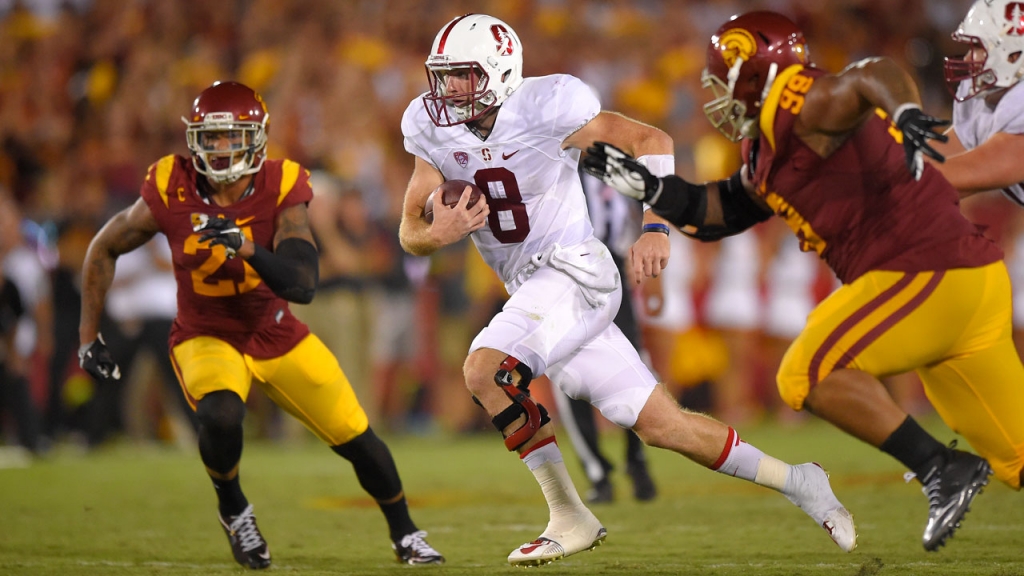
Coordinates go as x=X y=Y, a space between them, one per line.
x=631 y=136
x=993 y=165
x=838 y=103
x=707 y=212
x=126 y=231
x=654 y=149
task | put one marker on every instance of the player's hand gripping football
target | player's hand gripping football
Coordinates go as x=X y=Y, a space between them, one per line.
x=223 y=232
x=622 y=172
x=452 y=223
x=917 y=130
x=96 y=359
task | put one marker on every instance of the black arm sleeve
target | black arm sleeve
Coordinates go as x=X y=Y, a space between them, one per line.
x=681 y=203
x=292 y=271
x=685 y=205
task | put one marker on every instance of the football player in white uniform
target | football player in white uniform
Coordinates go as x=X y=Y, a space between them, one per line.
x=519 y=140
x=986 y=141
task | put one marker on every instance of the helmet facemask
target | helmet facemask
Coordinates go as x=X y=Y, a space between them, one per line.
x=224 y=150
x=726 y=114
x=473 y=101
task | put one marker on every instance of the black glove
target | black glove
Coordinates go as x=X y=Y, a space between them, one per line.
x=95 y=358
x=917 y=130
x=223 y=232
x=622 y=172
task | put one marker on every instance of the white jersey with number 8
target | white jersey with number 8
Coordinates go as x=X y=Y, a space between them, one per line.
x=532 y=185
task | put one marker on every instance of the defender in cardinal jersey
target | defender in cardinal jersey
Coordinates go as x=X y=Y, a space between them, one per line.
x=838 y=157
x=519 y=140
x=241 y=247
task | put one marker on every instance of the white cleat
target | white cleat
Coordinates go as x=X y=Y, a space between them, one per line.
x=813 y=494
x=586 y=533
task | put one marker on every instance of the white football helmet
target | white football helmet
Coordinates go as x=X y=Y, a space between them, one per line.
x=994 y=30
x=485 y=51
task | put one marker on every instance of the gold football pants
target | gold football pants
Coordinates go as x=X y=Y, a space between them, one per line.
x=307 y=382
x=952 y=327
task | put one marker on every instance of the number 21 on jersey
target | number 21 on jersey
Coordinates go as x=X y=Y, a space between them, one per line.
x=217 y=258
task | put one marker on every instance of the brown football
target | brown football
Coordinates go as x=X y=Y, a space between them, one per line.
x=451 y=191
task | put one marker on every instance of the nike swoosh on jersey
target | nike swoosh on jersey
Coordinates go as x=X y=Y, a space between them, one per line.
x=244 y=221
x=507 y=156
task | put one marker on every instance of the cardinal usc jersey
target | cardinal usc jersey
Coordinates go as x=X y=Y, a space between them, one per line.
x=531 y=183
x=975 y=122
x=218 y=296
x=859 y=208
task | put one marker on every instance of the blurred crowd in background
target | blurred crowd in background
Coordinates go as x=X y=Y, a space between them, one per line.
x=92 y=91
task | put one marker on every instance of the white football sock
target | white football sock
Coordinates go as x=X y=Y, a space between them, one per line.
x=745 y=461
x=546 y=452
x=549 y=469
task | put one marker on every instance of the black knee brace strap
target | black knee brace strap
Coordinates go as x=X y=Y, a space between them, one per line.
x=522 y=404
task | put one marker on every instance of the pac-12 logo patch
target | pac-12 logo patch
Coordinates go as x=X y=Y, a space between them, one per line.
x=737 y=43
x=462 y=158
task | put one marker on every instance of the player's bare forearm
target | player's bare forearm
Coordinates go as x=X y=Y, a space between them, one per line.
x=993 y=165
x=886 y=85
x=97 y=275
x=125 y=232
x=632 y=136
x=414 y=235
x=839 y=103
x=651 y=218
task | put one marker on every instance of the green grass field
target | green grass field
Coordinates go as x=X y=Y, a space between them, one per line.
x=149 y=510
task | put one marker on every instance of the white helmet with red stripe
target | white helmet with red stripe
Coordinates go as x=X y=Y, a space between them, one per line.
x=994 y=30
x=482 y=49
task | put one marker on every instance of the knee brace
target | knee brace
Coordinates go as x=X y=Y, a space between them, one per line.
x=522 y=404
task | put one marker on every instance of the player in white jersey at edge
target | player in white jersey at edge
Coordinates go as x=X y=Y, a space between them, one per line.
x=519 y=140
x=986 y=141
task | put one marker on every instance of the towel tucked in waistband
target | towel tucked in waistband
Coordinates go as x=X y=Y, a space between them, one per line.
x=589 y=264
